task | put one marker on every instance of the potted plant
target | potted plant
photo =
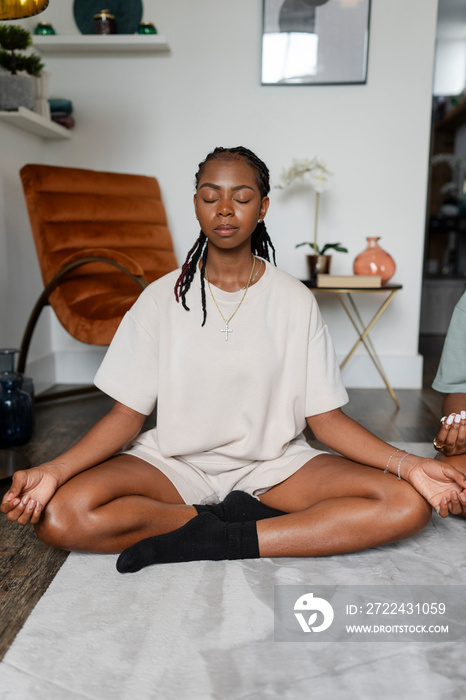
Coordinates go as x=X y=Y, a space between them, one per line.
x=319 y=177
x=319 y=261
x=17 y=85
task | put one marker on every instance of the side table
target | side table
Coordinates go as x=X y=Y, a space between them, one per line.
x=345 y=297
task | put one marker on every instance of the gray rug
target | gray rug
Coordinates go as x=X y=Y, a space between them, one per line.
x=205 y=630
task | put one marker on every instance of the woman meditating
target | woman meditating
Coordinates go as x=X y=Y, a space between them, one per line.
x=238 y=358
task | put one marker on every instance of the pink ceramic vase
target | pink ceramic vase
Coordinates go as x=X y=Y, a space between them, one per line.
x=374 y=261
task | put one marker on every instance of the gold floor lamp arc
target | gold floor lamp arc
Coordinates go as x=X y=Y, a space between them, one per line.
x=19 y=9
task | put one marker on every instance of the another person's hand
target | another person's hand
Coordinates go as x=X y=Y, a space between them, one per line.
x=456 y=506
x=29 y=493
x=443 y=486
x=451 y=438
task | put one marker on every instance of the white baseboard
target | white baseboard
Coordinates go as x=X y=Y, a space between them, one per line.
x=68 y=367
x=403 y=372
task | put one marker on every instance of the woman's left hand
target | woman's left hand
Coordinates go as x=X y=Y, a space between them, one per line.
x=451 y=437
x=443 y=486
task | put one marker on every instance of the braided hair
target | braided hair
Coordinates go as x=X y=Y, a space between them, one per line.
x=261 y=244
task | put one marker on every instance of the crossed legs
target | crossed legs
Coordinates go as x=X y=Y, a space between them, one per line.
x=112 y=506
x=333 y=506
x=337 y=506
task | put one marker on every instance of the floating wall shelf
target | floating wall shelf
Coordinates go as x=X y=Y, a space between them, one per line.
x=96 y=43
x=35 y=124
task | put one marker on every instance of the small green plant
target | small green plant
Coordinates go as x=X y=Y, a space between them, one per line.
x=15 y=39
x=322 y=251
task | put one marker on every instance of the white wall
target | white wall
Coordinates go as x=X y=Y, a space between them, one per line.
x=161 y=114
x=450 y=52
x=20 y=279
x=450 y=67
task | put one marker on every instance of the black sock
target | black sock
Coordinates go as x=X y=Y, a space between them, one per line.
x=203 y=537
x=239 y=506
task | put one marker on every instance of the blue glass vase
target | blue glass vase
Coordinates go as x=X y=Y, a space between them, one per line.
x=16 y=411
x=7 y=364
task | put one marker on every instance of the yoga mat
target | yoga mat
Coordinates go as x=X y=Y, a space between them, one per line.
x=206 y=630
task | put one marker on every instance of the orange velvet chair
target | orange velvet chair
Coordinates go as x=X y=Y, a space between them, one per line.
x=100 y=238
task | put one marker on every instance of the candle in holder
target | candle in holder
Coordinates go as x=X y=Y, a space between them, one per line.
x=104 y=23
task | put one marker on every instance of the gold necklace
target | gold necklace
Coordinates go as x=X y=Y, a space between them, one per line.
x=227 y=330
x=258 y=270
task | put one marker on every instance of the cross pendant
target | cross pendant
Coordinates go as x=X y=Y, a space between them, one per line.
x=226 y=330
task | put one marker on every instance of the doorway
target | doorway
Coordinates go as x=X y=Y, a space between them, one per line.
x=444 y=270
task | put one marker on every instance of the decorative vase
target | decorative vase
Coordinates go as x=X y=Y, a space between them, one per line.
x=44 y=29
x=147 y=28
x=7 y=364
x=318 y=264
x=374 y=261
x=16 y=91
x=16 y=412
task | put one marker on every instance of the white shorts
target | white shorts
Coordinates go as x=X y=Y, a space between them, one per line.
x=202 y=479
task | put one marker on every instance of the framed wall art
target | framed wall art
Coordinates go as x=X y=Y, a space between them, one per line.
x=315 y=42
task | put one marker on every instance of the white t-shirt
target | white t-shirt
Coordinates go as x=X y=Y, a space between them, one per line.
x=242 y=399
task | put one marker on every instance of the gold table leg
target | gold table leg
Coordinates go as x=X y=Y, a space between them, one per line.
x=363 y=335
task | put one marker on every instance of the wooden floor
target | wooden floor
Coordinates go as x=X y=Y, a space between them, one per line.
x=27 y=566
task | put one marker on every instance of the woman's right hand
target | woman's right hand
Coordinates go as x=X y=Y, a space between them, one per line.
x=29 y=493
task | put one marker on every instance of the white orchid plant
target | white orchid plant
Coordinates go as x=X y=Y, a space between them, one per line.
x=316 y=173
